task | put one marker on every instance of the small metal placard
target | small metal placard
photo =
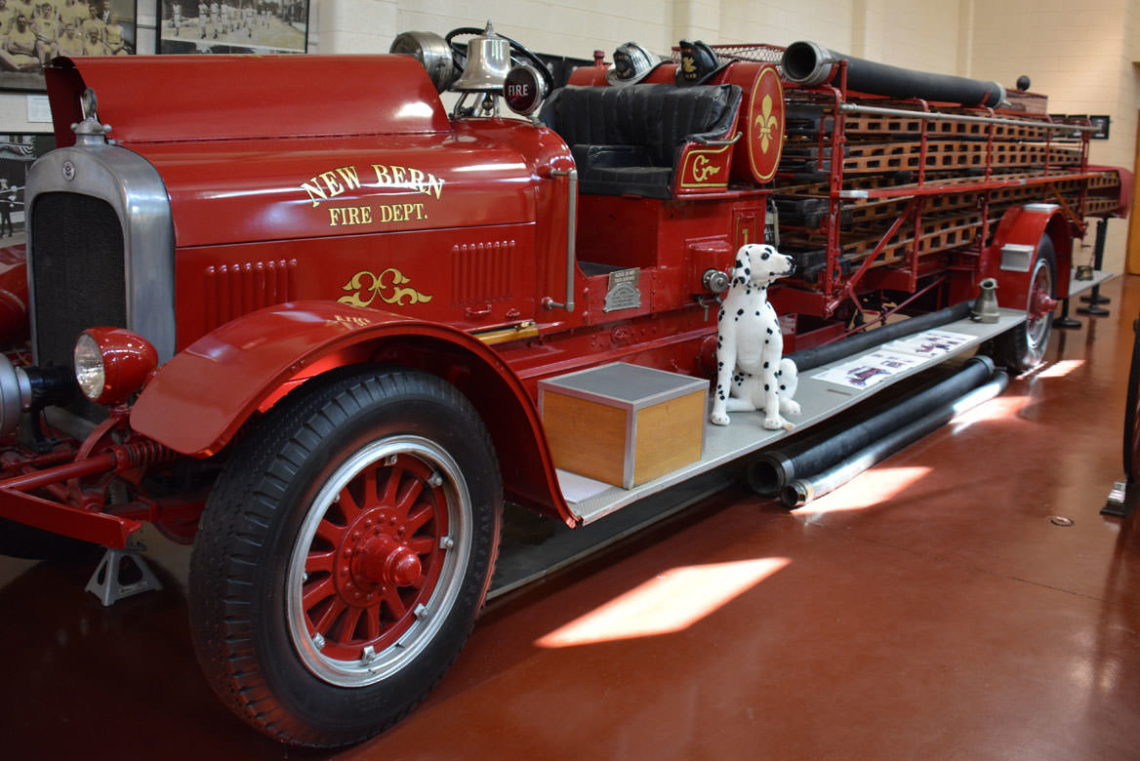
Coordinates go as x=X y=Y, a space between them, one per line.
x=623 y=292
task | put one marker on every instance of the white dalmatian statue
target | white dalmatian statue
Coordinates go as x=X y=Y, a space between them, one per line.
x=751 y=375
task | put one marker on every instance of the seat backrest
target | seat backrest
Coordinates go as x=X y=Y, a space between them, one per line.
x=658 y=117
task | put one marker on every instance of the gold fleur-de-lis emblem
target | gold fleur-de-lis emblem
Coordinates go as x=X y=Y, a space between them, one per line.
x=766 y=123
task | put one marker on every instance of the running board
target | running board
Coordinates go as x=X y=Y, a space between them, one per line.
x=820 y=399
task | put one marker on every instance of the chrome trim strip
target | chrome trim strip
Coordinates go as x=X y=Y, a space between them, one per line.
x=571 y=238
x=134 y=189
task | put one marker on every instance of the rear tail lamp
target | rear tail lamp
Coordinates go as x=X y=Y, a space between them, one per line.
x=112 y=363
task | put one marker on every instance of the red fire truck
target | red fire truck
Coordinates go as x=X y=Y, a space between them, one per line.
x=292 y=310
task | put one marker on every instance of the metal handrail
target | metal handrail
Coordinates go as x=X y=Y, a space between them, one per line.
x=853 y=108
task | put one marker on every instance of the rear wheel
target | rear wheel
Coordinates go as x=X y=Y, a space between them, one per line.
x=1023 y=348
x=344 y=554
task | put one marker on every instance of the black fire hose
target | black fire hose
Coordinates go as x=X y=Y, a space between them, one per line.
x=809 y=359
x=771 y=471
x=803 y=490
x=810 y=64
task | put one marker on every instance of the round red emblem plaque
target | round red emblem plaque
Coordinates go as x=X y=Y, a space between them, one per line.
x=765 y=128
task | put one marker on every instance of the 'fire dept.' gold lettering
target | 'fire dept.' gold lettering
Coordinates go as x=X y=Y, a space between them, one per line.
x=344 y=216
x=325 y=186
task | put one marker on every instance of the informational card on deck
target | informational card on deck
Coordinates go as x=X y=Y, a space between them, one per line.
x=930 y=343
x=893 y=358
x=867 y=370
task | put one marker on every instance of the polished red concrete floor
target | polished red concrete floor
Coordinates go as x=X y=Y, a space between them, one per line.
x=928 y=610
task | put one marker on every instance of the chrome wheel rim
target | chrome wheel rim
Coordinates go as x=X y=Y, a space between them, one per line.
x=379 y=561
x=1037 y=319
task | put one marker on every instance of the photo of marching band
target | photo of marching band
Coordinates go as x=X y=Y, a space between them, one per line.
x=32 y=32
x=242 y=26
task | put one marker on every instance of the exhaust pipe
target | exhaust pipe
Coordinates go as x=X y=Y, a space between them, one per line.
x=803 y=490
x=771 y=471
x=810 y=64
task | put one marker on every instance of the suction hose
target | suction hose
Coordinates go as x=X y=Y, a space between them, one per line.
x=769 y=473
x=803 y=490
x=822 y=355
x=810 y=64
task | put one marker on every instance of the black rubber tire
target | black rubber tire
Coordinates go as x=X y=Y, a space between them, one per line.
x=20 y=541
x=238 y=596
x=1023 y=348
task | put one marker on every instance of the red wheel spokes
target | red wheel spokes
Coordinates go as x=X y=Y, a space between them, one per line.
x=359 y=592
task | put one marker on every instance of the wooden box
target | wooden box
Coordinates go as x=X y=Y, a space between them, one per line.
x=623 y=424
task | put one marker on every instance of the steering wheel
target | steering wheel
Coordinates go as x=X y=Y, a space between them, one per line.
x=459 y=53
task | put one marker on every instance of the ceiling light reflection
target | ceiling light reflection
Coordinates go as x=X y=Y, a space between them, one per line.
x=670 y=602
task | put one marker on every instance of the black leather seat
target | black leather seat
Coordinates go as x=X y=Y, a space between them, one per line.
x=628 y=140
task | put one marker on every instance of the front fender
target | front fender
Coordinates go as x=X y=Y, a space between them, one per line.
x=198 y=400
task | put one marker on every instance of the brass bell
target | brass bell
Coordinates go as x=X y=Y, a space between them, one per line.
x=488 y=61
x=985 y=307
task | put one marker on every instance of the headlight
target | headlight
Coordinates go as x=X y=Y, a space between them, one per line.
x=112 y=363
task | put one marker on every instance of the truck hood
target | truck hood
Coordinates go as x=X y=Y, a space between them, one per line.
x=254 y=148
x=175 y=98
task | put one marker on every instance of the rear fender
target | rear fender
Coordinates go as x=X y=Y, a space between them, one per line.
x=198 y=400
x=1023 y=226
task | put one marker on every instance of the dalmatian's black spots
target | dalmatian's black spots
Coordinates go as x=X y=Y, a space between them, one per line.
x=783 y=387
x=748 y=353
x=778 y=372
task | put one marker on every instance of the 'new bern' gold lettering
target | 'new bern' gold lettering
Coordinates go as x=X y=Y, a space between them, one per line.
x=325 y=186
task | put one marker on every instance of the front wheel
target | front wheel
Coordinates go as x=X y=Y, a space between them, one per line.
x=344 y=554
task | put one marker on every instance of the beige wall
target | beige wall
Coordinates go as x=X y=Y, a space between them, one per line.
x=1082 y=61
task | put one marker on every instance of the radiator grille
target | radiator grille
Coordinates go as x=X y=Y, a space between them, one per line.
x=77 y=266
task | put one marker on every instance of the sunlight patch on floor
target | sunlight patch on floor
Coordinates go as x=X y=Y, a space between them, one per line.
x=869 y=489
x=670 y=602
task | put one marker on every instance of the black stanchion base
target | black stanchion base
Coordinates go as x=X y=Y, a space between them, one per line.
x=1067 y=322
x=1096 y=299
x=1095 y=311
x=1122 y=499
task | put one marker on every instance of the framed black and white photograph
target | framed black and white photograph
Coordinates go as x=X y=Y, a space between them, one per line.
x=240 y=26
x=1101 y=122
x=17 y=152
x=33 y=32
